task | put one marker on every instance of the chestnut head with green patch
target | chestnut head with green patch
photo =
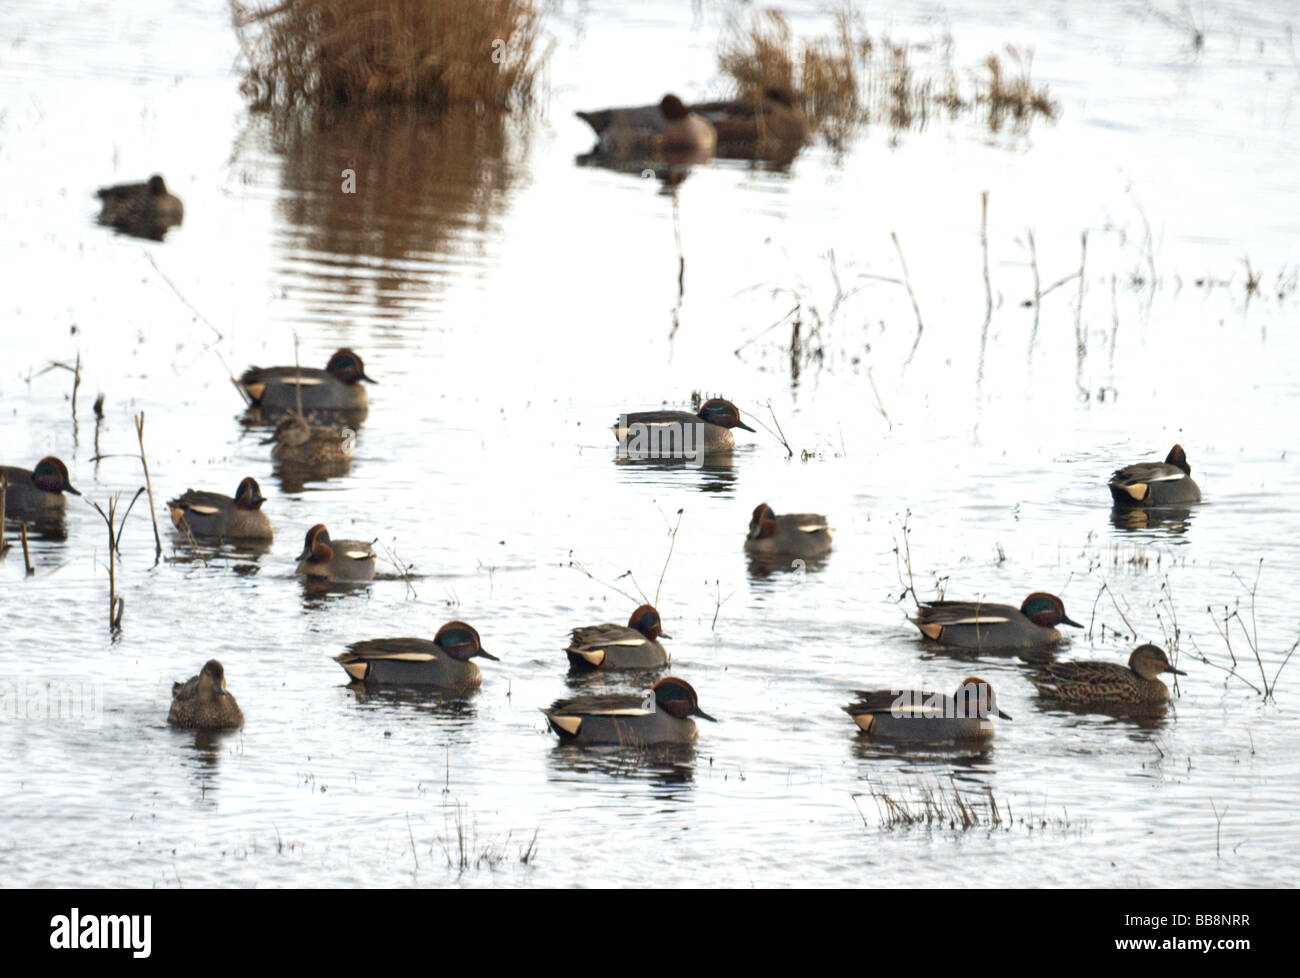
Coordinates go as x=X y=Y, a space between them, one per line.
x=461 y=642
x=249 y=495
x=1178 y=459
x=317 y=547
x=762 y=523
x=676 y=698
x=51 y=475
x=646 y=621
x=346 y=367
x=1046 y=610
x=974 y=700
x=1149 y=661
x=722 y=413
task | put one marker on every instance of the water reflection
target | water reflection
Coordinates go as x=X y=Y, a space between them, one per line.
x=667 y=765
x=762 y=566
x=294 y=476
x=372 y=195
x=1150 y=717
x=670 y=172
x=1175 y=519
x=418 y=699
x=715 y=472
x=317 y=592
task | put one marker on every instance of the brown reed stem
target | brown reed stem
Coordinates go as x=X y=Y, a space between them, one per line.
x=4 y=502
x=672 y=542
x=148 y=484
x=1080 y=340
x=984 y=246
x=907 y=283
x=1038 y=290
x=27 y=554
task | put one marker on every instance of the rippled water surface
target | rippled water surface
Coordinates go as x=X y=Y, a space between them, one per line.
x=510 y=303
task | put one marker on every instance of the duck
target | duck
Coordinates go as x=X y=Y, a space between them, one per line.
x=662 y=716
x=768 y=125
x=1167 y=483
x=631 y=646
x=335 y=388
x=916 y=715
x=339 y=560
x=144 y=210
x=666 y=127
x=977 y=625
x=797 y=534
x=36 y=493
x=210 y=514
x=443 y=662
x=1090 y=682
x=680 y=434
x=303 y=443
x=202 y=702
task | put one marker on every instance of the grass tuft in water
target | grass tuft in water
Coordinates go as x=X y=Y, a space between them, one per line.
x=435 y=53
x=847 y=78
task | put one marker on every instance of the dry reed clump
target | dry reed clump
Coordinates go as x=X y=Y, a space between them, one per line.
x=847 y=78
x=431 y=52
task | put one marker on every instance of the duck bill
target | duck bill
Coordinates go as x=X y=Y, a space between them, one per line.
x=68 y=488
x=487 y=655
x=306 y=552
x=664 y=635
x=741 y=424
x=368 y=379
x=267 y=441
x=1070 y=621
x=1176 y=672
x=1004 y=716
x=704 y=716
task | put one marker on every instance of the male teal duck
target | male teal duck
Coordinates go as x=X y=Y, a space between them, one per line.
x=917 y=715
x=443 y=662
x=38 y=493
x=202 y=701
x=680 y=434
x=337 y=560
x=303 y=443
x=766 y=126
x=794 y=534
x=335 y=388
x=210 y=514
x=662 y=716
x=145 y=210
x=1102 y=683
x=1167 y=483
x=976 y=625
x=631 y=646
x=668 y=127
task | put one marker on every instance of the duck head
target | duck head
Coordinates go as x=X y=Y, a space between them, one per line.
x=212 y=679
x=722 y=413
x=762 y=523
x=1046 y=610
x=249 y=495
x=975 y=700
x=51 y=475
x=673 y=108
x=159 y=189
x=316 y=547
x=461 y=642
x=782 y=96
x=646 y=621
x=1149 y=661
x=346 y=367
x=1178 y=459
x=676 y=698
